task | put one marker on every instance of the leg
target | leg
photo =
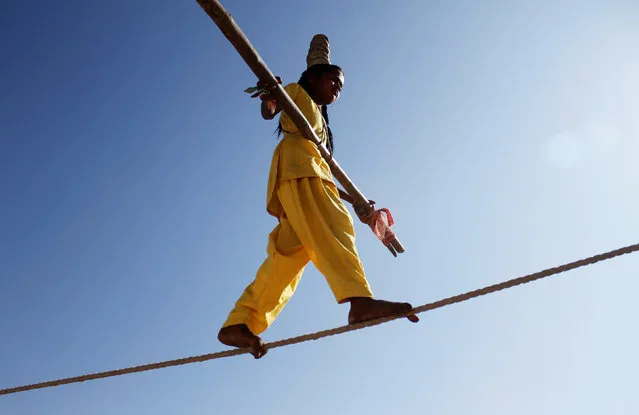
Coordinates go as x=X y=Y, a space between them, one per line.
x=325 y=228
x=266 y=296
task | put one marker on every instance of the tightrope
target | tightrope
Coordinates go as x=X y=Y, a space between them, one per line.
x=331 y=332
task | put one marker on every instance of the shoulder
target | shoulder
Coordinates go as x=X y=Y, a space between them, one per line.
x=303 y=101
x=296 y=92
x=292 y=89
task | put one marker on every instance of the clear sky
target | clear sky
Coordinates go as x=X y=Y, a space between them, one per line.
x=503 y=136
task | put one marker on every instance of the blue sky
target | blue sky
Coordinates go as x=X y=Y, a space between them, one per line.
x=502 y=135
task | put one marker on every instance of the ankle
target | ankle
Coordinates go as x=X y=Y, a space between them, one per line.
x=356 y=301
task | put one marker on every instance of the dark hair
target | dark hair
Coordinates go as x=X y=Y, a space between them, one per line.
x=304 y=81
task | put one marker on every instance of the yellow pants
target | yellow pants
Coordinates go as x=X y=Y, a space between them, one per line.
x=316 y=226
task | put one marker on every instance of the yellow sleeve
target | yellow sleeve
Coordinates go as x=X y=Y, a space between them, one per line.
x=292 y=90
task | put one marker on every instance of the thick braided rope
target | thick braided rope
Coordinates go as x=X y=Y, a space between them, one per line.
x=339 y=330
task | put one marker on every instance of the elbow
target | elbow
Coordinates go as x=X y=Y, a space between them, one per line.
x=267 y=114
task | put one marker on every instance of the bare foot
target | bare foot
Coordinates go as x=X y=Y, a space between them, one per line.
x=240 y=336
x=364 y=309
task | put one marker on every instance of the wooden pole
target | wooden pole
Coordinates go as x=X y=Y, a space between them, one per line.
x=238 y=39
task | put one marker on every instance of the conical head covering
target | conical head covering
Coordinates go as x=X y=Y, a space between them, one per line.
x=319 y=51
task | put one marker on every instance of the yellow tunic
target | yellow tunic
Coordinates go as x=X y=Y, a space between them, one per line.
x=296 y=157
x=313 y=225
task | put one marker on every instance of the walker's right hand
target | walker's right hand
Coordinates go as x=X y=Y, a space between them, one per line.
x=265 y=89
x=269 y=105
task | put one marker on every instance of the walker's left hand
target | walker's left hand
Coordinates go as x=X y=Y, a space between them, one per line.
x=262 y=89
x=361 y=209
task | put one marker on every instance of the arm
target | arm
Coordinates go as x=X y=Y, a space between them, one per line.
x=359 y=209
x=345 y=196
x=269 y=109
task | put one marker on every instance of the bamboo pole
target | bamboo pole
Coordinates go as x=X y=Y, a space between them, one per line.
x=238 y=39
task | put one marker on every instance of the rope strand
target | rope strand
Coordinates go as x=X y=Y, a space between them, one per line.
x=339 y=330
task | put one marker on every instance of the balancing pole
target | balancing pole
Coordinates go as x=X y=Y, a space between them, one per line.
x=238 y=39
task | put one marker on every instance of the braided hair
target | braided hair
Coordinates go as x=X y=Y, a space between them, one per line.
x=304 y=82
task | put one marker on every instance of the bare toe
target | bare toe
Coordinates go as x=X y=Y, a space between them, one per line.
x=407 y=308
x=258 y=350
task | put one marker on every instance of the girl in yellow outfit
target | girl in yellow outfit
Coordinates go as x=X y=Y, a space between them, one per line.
x=314 y=224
